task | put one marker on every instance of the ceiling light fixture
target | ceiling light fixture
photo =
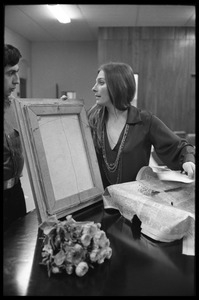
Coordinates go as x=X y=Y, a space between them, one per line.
x=58 y=13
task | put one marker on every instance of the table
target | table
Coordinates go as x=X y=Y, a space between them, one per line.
x=139 y=266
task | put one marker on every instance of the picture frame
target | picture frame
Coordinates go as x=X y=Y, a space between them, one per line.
x=60 y=156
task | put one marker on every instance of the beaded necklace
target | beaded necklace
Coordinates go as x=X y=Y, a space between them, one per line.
x=113 y=167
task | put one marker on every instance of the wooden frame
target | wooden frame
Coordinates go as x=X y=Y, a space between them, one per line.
x=60 y=155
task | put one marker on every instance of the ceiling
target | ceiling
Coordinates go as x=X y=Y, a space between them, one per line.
x=36 y=24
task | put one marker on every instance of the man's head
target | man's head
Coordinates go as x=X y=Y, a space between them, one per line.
x=11 y=69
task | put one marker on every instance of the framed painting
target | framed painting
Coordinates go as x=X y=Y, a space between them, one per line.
x=60 y=155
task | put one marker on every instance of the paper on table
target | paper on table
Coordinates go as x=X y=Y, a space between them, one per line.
x=189 y=240
x=165 y=216
x=169 y=175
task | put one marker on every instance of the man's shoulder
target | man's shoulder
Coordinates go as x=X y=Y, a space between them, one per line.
x=9 y=113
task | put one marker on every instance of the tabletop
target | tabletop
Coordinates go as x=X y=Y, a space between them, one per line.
x=139 y=266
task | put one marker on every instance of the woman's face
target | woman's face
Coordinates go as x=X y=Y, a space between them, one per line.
x=101 y=91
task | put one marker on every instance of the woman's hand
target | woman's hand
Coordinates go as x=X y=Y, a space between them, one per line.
x=189 y=169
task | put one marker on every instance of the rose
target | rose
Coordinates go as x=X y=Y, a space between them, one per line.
x=73 y=246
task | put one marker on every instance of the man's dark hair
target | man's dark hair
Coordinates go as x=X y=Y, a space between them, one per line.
x=11 y=55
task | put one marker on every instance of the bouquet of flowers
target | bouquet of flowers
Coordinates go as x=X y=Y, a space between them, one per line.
x=73 y=246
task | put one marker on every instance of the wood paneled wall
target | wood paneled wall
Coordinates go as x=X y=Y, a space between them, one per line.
x=164 y=59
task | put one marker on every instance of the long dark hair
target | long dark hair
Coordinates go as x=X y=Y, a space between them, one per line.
x=121 y=87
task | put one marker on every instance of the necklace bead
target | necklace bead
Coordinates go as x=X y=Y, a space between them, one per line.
x=112 y=167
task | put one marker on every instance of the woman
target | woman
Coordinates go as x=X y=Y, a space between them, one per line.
x=123 y=134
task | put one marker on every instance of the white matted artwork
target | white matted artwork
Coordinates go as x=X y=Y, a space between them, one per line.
x=67 y=143
x=60 y=155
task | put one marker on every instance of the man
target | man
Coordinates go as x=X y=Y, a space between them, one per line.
x=14 y=205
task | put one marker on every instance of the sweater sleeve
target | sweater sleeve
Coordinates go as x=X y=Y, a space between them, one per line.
x=170 y=148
